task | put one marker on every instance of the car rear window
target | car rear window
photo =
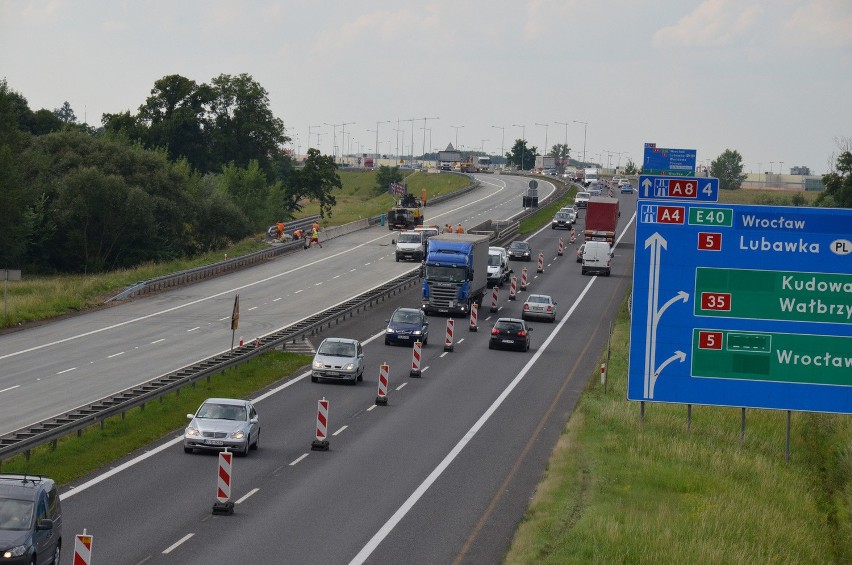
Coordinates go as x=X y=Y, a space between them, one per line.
x=510 y=326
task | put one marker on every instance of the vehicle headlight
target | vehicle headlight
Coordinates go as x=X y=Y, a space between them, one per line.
x=317 y=364
x=16 y=551
x=192 y=432
x=526 y=252
x=416 y=332
x=238 y=435
x=349 y=366
x=391 y=330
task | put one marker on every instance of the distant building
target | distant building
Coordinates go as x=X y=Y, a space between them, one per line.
x=803 y=171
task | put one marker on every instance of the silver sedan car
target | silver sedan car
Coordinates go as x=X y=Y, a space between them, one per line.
x=539 y=306
x=223 y=423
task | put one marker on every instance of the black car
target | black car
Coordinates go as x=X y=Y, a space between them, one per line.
x=562 y=220
x=520 y=250
x=510 y=332
x=407 y=325
x=30 y=520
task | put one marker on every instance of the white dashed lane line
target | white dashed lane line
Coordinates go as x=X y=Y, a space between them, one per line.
x=66 y=370
x=246 y=495
x=193 y=329
x=115 y=355
x=177 y=544
x=339 y=431
x=164 y=339
x=10 y=388
x=299 y=458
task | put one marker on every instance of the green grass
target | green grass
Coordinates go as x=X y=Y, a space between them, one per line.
x=358 y=198
x=618 y=489
x=76 y=457
x=768 y=197
x=544 y=215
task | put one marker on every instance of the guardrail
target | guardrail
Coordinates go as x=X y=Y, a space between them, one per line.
x=76 y=420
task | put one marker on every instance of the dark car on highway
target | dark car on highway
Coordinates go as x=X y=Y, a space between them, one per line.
x=562 y=220
x=407 y=325
x=511 y=333
x=30 y=520
x=520 y=250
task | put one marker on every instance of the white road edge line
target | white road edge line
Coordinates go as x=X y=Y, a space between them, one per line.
x=246 y=495
x=177 y=543
x=409 y=503
x=297 y=459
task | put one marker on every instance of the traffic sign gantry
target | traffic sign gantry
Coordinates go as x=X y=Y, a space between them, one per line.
x=694 y=189
x=747 y=306
x=669 y=162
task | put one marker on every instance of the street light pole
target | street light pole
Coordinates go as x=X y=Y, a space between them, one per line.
x=424 y=133
x=376 y=148
x=411 y=157
x=546 y=127
x=309 y=135
x=457 y=136
x=377 y=136
x=482 y=147
x=585 y=129
x=502 y=141
x=524 y=139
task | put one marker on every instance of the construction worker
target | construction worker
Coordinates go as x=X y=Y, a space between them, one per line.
x=315 y=227
x=280 y=230
x=459 y=229
x=315 y=236
x=298 y=234
x=447 y=229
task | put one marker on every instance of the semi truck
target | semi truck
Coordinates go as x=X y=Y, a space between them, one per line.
x=601 y=219
x=456 y=273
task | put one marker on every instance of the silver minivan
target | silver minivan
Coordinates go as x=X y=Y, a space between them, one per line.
x=30 y=520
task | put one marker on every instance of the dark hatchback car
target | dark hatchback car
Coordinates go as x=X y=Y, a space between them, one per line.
x=511 y=333
x=520 y=250
x=30 y=520
x=407 y=325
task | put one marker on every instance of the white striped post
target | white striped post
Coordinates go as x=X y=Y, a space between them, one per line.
x=321 y=441
x=561 y=249
x=382 y=397
x=83 y=548
x=540 y=261
x=448 y=341
x=474 y=315
x=513 y=288
x=224 y=504
x=524 y=278
x=415 y=359
x=494 y=299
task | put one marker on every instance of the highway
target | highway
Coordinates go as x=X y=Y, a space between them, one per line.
x=442 y=474
x=58 y=366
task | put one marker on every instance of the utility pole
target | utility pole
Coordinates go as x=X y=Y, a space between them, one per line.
x=424 y=133
x=378 y=152
x=585 y=129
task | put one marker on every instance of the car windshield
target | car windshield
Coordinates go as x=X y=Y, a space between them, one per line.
x=494 y=260
x=562 y=216
x=15 y=514
x=222 y=412
x=409 y=238
x=337 y=349
x=582 y=195
x=518 y=246
x=445 y=274
x=509 y=326
x=406 y=317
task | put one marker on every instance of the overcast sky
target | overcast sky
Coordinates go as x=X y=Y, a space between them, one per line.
x=769 y=78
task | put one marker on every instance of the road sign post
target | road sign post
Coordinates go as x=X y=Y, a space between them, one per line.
x=746 y=306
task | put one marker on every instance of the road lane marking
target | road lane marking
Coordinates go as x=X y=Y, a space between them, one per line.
x=299 y=458
x=340 y=430
x=424 y=369
x=402 y=385
x=225 y=318
x=177 y=543
x=246 y=495
x=252 y=308
x=66 y=370
x=115 y=355
x=274 y=300
x=300 y=290
x=418 y=493
x=461 y=340
x=10 y=388
x=371 y=407
x=193 y=329
x=162 y=339
x=443 y=354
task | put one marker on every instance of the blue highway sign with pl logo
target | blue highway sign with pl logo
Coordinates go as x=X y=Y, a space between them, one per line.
x=696 y=189
x=668 y=162
x=744 y=306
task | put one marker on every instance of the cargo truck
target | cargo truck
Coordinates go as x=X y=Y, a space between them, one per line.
x=601 y=219
x=456 y=273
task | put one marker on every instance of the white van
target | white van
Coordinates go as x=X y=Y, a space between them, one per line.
x=498 y=266
x=597 y=258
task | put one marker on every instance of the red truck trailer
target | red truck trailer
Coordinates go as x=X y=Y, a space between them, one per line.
x=601 y=219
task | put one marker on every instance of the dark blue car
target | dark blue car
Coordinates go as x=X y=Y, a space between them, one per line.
x=407 y=325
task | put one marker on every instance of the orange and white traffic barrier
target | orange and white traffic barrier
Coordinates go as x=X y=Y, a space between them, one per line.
x=416 y=357
x=561 y=249
x=513 y=288
x=603 y=373
x=494 y=299
x=83 y=548
x=321 y=441
x=573 y=236
x=448 y=341
x=540 y=262
x=524 y=278
x=257 y=343
x=382 y=397
x=474 y=315
x=224 y=504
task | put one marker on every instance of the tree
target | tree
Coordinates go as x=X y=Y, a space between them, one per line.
x=630 y=168
x=65 y=114
x=562 y=155
x=521 y=156
x=728 y=168
x=386 y=176
x=315 y=180
x=838 y=183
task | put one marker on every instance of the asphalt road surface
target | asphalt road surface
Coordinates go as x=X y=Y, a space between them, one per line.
x=442 y=474
x=53 y=368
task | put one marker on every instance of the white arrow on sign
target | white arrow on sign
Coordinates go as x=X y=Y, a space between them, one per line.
x=656 y=242
x=678 y=356
x=647 y=184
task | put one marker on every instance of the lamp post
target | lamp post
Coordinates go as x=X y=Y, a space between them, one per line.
x=333 y=138
x=502 y=141
x=424 y=133
x=546 y=127
x=780 y=168
x=482 y=146
x=567 y=158
x=411 y=156
x=309 y=135
x=457 y=128
x=585 y=130
x=377 y=136
x=524 y=139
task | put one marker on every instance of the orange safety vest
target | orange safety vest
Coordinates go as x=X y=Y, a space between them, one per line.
x=459 y=229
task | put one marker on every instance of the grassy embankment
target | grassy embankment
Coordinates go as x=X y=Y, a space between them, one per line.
x=39 y=298
x=621 y=490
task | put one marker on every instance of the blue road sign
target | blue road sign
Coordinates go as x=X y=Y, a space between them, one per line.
x=668 y=162
x=746 y=306
x=694 y=189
